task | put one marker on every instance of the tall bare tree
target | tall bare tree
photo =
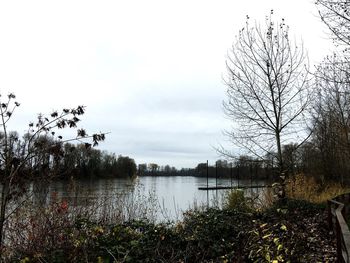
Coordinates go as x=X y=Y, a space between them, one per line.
x=267 y=89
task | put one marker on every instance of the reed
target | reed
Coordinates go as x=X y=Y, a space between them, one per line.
x=307 y=188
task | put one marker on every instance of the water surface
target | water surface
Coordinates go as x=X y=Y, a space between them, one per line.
x=169 y=196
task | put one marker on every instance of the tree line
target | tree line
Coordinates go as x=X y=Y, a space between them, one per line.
x=67 y=160
x=244 y=168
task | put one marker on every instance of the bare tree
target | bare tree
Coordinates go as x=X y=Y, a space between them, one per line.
x=267 y=90
x=40 y=151
x=332 y=115
x=332 y=109
x=336 y=15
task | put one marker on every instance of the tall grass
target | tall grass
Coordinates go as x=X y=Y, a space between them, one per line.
x=308 y=188
x=243 y=200
x=300 y=187
x=36 y=228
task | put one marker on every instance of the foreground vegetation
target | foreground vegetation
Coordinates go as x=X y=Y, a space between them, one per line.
x=295 y=232
x=241 y=231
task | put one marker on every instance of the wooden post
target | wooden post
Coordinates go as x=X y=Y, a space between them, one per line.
x=251 y=178
x=216 y=175
x=207 y=175
x=207 y=184
x=216 y=180
x=231 y=174
x=250 y=172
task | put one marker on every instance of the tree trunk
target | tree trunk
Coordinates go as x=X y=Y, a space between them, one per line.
x=281 y=174
x=2 y=217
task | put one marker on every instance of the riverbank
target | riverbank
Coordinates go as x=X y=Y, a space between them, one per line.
x=295 y=232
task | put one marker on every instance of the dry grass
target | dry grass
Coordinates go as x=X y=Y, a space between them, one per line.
x=268 y=198
x=37 y=228
x=243 y=201
x=307 y=188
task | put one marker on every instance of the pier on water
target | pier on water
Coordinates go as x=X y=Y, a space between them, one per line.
x=252 y=175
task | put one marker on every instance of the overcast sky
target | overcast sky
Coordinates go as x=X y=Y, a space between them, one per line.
x=150 y=72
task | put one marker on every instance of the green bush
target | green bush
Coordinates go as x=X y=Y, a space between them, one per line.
x=235 y=200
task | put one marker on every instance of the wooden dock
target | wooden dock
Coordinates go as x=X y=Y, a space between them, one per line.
x=232 y=187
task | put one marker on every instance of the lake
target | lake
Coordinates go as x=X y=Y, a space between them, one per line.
x=162 y=198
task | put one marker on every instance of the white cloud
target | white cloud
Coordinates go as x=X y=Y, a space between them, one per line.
x=149 y=71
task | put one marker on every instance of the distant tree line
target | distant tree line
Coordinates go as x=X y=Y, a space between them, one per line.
x=153 y=169
x=244 y=168
x=67 y=160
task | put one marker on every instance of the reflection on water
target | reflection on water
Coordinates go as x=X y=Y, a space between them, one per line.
x=170 y=195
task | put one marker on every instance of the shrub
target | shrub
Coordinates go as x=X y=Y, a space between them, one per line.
x=235 y=200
